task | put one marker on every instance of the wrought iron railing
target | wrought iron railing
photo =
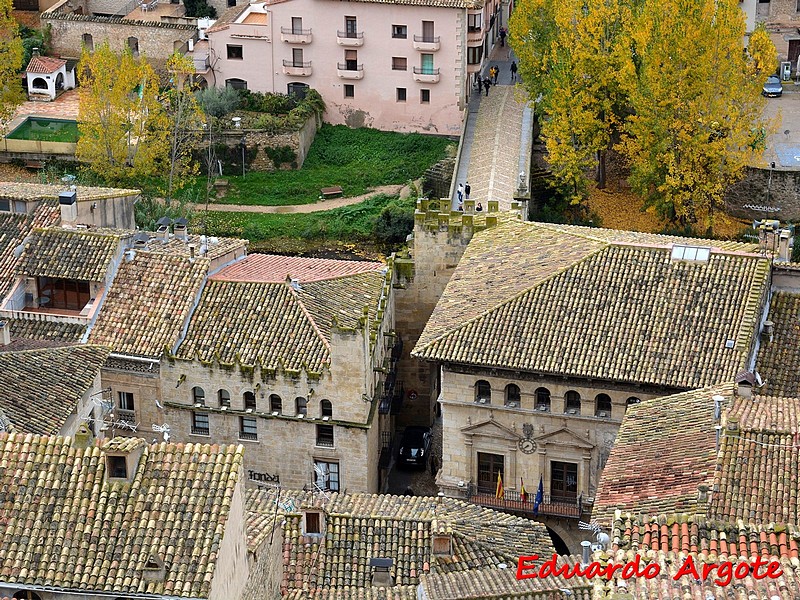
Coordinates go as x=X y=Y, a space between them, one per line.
x=246 y=435
x=350 y=34
x=427 y=39
x=200 y=430
x=292 y=31
x=349 y=67
x=552 y=506
x=296 y=64
x=425 y=71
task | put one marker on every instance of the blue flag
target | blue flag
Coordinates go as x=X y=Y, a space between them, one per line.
x=539 y=497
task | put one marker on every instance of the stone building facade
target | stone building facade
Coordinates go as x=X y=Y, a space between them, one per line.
x=539 y=396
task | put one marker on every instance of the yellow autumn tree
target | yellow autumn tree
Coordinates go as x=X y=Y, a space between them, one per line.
x=763 y=55
x=575 y=57
x=696 y=106
x=123 y=126
x=11 y=55
x=185 y=120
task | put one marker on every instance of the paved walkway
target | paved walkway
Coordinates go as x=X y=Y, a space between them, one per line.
x=393 y=190
x=495 y=149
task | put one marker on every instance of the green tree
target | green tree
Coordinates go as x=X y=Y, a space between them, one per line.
x=11 y=54
x=697 y=106
x=185 y=121
x=123 y=127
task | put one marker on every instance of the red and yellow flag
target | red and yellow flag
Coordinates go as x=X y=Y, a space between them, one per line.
x=523 y=495
x=500 y=493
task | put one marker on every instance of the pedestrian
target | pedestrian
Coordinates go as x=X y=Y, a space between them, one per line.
x=478 y=207
x=496 y=73
x=467 y=189
x=502 y=36
x=513 y=70
x=460 y=193
x=478 y=82
x=487 y=83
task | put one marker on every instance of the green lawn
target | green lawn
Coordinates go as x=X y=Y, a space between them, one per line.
x=355 y=159
x=346 y=224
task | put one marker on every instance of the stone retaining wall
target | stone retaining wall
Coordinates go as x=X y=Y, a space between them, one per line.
x=745 y=198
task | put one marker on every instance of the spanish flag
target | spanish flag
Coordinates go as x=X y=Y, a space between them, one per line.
x=500 y=493
x=523 y=495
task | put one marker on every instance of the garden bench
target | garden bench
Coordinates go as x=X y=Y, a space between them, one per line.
x=331 y=192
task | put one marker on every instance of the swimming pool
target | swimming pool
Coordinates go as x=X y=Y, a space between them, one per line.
x=46 y=130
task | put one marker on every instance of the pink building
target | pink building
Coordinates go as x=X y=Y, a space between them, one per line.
x=400 y=65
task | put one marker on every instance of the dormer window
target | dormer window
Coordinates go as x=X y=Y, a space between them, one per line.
x=117 y=467
x=313 y=523
x=690 y=253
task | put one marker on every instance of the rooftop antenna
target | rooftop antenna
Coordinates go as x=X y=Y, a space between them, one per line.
x=163 y=429
x=601 y=538
x=323 y=476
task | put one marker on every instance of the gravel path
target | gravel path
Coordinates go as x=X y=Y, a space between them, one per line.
x=403 y=190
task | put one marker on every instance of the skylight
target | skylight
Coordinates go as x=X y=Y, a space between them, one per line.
x=691 y=253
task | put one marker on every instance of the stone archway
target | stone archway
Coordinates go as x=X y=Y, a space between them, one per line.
x=39 y=83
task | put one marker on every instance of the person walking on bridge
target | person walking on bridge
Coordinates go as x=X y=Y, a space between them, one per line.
x=513 y=70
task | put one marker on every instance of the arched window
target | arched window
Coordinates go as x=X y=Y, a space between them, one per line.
x=224 y=398
x=483 y=392
x=27 y=595
x=39 y=84
x=301 y=406
x=512 y=395
x=237 y=84
x=543 y=399
x=298 y=90
x=275 y=404
x=133 y=45
x=249 y=401
x=602 y=406
x=88 y=41
x=631 y=401
x=199 y=395
x=326 y=408
x=572 y=403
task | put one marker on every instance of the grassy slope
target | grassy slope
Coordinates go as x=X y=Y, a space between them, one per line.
x=355 y=159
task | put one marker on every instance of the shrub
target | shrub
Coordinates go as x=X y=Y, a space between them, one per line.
x=393 y=224
x=281 y=155
x=218 y=102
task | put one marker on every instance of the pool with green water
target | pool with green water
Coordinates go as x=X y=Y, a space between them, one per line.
x=46 y=130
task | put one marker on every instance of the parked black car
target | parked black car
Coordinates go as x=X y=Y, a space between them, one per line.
x=415 y=446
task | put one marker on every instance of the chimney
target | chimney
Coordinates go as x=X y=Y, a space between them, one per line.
x=35 y=52
x=192 y=251
x=162 y=233
x=744 y=384
x=784 y=253
x=5 y=333
x=702 y=494
x=381 y=576
x=442 y=538
x=83 y=437
x=181 y=231
x=69 y=207
x=586 y=553
x=768 y=330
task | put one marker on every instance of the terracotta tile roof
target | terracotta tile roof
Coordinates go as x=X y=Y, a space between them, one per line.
x=698 y=535
x=13 y=190
x=270 y=268
x=69 y=254
x=40 y=389
x=98 y=536
x=149 y=303
x=227 y=17
x=13 y=229
x=665 y=449
x=617 y=312
x=214 y=246
x=471 y=4
x=765 y=413
x=54 y=331
x=758 y=479
x=401 y=592
x=275 y=325
x=363 y=526
x=778 y=361
x=45 y=64
x=494 y=583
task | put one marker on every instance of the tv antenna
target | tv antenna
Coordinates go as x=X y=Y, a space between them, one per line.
x=321 y=481
x=163 y=429
x=601 y=537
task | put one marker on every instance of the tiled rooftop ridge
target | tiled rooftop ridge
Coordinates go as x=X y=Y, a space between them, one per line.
x=271 y=268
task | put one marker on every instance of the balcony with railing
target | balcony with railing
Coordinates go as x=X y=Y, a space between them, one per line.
x=297 y=68
x=551 y=506
x=248 y=436
x=291 y=35
x=123 y=414
x=350 y=70
x=426 y=75
x=200 y=430
x=350 y=39
x=426 y=43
